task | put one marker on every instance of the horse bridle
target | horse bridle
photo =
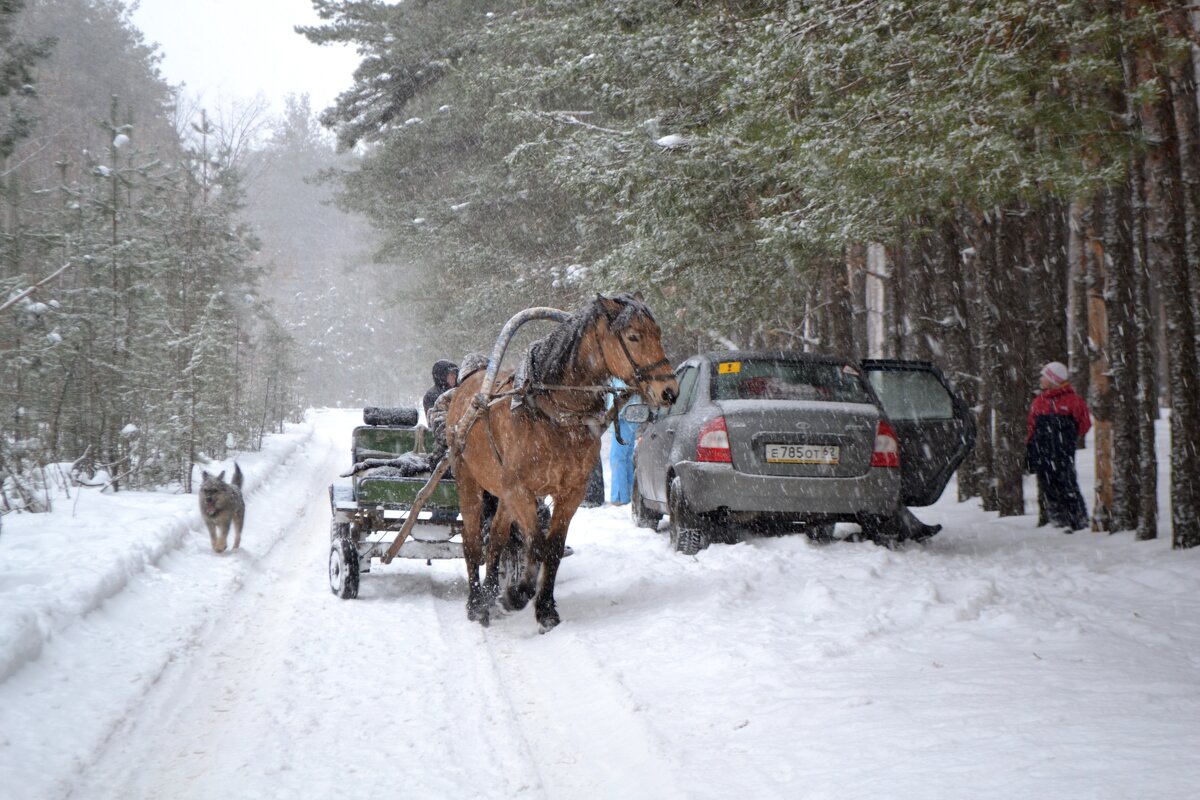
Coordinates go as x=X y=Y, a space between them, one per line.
x=641 y=374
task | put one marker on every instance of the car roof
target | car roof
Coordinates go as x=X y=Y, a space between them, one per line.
x=764 y=355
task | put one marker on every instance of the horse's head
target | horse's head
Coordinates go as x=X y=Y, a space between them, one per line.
x=631 y=345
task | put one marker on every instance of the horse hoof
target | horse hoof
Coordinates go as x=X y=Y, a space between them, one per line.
x=548 y=621
x=515 y=599
x=478 y=613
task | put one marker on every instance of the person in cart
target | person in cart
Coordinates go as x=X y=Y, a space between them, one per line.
x=445 y=377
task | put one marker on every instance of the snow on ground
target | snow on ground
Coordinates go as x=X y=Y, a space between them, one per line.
x=997 y=661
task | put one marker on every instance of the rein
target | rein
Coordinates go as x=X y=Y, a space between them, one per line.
x=596 y=422
x=641 y=374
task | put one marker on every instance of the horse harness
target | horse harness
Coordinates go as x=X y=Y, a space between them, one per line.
x=595 y=422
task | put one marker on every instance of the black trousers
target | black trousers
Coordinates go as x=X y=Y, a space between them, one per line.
x=1051 y=457
x=1059 y=495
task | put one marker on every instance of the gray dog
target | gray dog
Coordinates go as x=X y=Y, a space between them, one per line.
x=221 y=505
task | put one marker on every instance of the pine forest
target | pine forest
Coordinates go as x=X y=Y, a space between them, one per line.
x=989 y=186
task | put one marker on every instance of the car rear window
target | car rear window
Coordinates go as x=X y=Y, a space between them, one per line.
x=914 y=394
x=777 y=379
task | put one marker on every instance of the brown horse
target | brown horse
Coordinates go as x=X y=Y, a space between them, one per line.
x=538 y=434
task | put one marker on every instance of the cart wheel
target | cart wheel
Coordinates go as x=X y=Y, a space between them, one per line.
x=343 y=568
x=339 y=530
x=512 y=562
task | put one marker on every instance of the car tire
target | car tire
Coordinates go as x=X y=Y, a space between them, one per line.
x=820 y=532
x=686 y=535
x=688 y=541
x=881 y=530
x=642 y=517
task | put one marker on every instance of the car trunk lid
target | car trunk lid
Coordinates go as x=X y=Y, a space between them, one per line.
x=794 y=438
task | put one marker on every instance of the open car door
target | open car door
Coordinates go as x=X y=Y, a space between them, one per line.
x=934 y=425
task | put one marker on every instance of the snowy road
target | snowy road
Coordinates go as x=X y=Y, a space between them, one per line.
x=278 y=689
x=998 y=661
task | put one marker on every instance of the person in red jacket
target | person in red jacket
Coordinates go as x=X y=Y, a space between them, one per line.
x=1057 y=418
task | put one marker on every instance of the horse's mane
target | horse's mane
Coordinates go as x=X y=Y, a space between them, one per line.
x=548 y=358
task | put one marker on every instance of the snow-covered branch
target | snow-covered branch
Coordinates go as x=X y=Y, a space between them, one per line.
x=19 y=296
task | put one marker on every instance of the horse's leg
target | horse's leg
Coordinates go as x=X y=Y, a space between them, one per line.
x=497 y=539
x=521 y=592
x=470 y=501
x=552 y=552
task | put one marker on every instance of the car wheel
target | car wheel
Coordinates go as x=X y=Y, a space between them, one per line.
x=820 y=532
x=881 y=530
x=642 y=517
x=688 y=541
x=686 y=535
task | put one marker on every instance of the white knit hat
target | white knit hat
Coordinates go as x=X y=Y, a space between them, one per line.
x=1055 y=372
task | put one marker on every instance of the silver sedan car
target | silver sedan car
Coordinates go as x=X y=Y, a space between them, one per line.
x=779 y=441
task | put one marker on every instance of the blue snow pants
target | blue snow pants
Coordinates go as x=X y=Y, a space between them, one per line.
x=620 y=460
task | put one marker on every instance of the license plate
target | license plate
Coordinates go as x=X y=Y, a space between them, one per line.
x=802 y=453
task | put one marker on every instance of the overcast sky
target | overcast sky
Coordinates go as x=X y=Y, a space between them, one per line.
x=234 y=49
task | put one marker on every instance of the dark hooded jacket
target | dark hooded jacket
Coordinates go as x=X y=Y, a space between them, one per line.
x=1057 y=418
x=441 y=382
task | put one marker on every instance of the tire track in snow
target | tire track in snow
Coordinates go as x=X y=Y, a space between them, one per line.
x=165 y=695
x=294 y=693
x=584 y=732
x=95 y=676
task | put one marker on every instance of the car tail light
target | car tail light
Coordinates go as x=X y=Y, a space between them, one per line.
x=713 y=445
x=887 y=446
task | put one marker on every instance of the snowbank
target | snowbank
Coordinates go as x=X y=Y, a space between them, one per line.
x=57 y=567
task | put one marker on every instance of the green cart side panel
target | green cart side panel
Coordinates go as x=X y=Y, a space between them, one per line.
x=384 y=441
x=403 y=491
x=380 y=441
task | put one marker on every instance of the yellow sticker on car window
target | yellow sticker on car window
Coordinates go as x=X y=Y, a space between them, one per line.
x=729 y=367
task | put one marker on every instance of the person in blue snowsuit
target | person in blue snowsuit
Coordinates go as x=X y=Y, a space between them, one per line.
x=620 y=456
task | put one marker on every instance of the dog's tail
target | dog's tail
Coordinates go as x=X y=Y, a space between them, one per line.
x=237 y=475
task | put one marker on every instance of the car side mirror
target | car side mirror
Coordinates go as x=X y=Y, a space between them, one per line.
x=636 y=413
